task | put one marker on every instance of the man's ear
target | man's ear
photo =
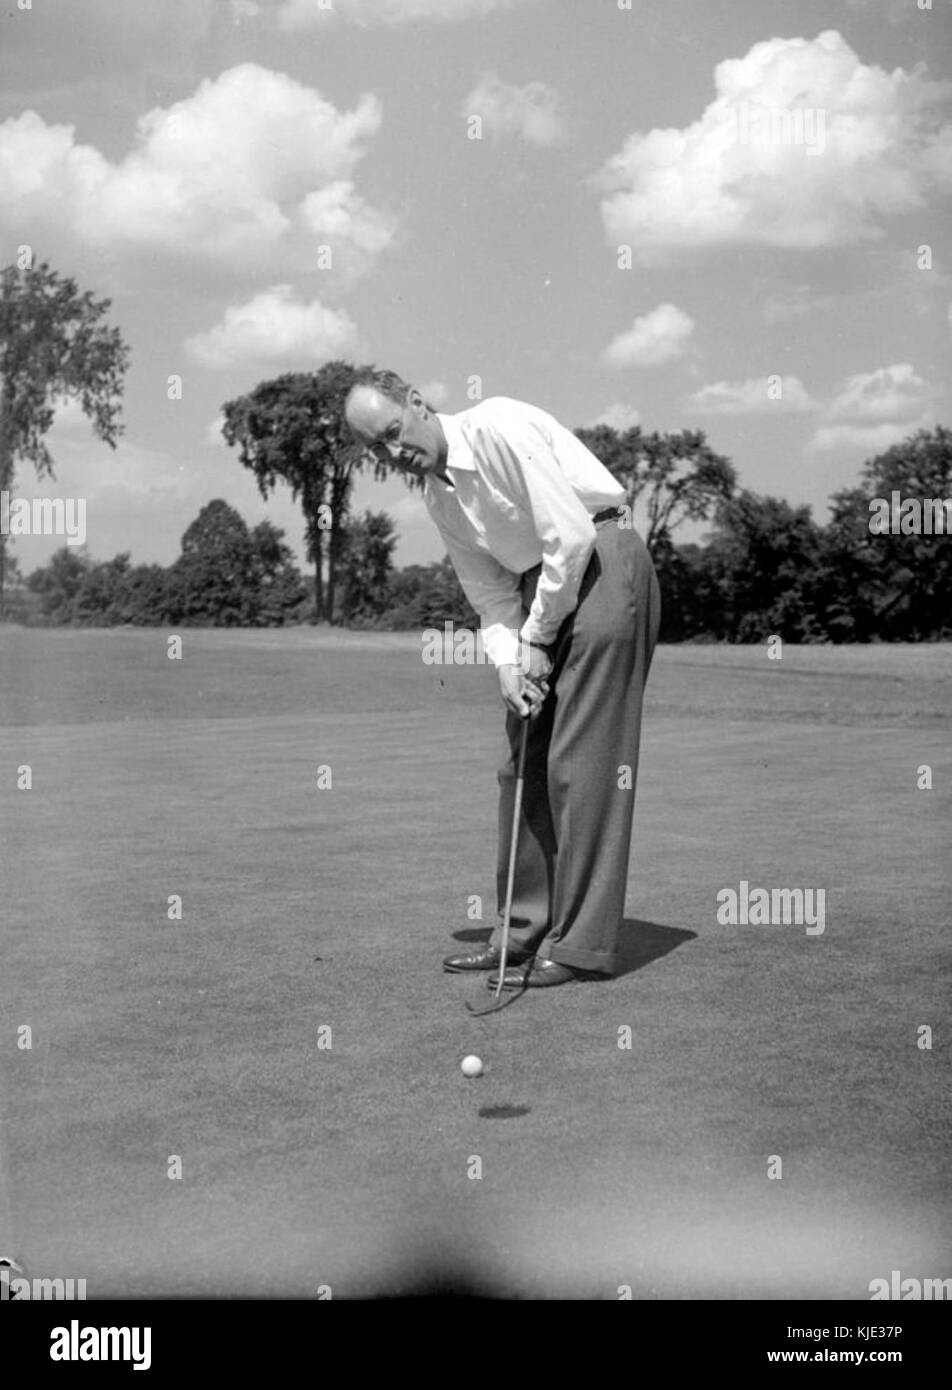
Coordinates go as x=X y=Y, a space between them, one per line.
x=415 y=398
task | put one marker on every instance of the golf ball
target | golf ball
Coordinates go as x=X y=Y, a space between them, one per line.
x=471 y=1066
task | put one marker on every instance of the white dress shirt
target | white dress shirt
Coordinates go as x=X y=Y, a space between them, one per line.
x=523 y=491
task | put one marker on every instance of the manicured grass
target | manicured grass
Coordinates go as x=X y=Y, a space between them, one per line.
x=306 y=1166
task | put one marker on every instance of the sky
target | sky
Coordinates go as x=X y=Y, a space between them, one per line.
x=725 y=215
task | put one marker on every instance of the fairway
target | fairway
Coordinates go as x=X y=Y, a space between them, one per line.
x=305 y=909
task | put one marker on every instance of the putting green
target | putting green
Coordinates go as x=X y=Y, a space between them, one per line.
x=305 y=909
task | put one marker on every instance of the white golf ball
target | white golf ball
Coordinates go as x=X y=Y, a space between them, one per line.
x=471 y=1066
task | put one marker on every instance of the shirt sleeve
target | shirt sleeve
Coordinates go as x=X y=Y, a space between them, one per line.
x=494 y=592
x=562 y=523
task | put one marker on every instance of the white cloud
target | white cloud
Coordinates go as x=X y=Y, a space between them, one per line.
x=532 y=113
x=886 y=394
x=301 y=14
x=271 y=328
x=251 y=172
x=874 y=410
x=752 y=397
x=619 y=417
x=871 y=439
x=803 y=146
x=653 y=339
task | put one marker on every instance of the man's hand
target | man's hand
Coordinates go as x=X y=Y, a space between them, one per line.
x=521 y=694
x=536 y=663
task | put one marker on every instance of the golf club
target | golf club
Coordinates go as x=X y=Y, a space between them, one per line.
x=513 y=846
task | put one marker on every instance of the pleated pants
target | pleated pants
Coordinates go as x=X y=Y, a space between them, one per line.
x=582 y=764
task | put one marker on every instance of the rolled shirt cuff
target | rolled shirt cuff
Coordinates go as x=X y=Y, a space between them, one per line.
x=501 y=644
x=539 y=633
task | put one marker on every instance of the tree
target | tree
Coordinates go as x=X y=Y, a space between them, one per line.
x=689 y=606
x=54 y=345
x=293 y=428
x=366 y=564
x=680 y=475
x=281 y=591
x=101 y=596
x=59 y=582
x=428 y=596
x=897 y=587
x=214 y=580
x=762 y=562
x=230 y=576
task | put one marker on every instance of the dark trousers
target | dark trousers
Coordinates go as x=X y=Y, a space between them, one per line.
x=582 y=763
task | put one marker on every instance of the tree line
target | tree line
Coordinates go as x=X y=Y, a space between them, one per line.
x=764 y=566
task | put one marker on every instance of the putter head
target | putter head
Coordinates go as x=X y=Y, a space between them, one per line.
x=497 y=1003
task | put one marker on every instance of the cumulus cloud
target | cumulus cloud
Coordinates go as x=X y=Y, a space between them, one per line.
x=618 y=417
x=752 y=397
x=532 y=113
x=653 y=339
x=271 y=327
x=873 y=410
x=888 y=393
x=803 y=146
x=870 y=439
x=302 y=14
x=252 y=171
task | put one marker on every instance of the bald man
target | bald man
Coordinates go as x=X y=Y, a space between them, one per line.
x=569 y=610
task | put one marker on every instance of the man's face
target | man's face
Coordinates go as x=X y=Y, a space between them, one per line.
x=411 y=434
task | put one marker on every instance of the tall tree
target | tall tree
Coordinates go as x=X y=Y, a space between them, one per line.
x=214 y=580
x=679 y=476
x=54 y=346
x=293 y=428
x=763 y=563
x=280 y=585
x=366 y=565
x=896 y=587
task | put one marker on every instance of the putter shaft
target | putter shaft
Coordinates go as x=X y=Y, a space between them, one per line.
x=513 y=847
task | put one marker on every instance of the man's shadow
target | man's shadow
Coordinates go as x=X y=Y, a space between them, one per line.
x=641 y=942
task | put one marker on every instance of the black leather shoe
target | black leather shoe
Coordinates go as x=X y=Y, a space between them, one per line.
x=482 y=956
x=540 y=974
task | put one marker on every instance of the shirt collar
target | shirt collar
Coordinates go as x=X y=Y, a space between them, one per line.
x=459 y=454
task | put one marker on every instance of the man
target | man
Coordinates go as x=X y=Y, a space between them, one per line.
x=569 y=609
